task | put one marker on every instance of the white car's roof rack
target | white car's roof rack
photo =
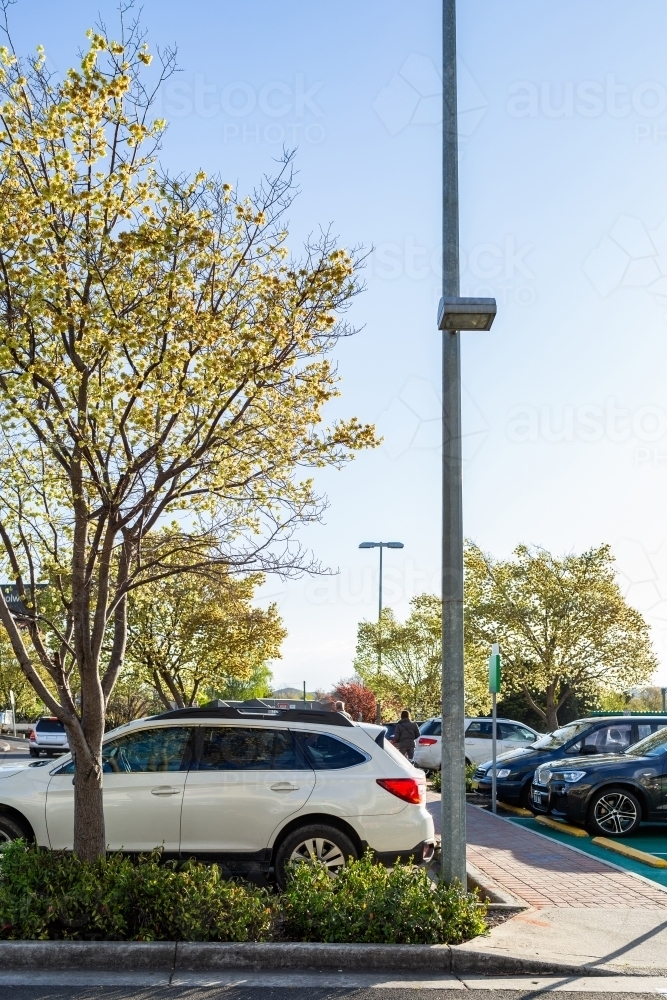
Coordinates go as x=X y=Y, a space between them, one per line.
x=282 y=714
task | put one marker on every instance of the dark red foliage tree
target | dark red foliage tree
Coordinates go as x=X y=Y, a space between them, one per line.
x=357 y=698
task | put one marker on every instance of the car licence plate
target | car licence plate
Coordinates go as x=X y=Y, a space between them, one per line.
x=537 y=797
x=474 y=785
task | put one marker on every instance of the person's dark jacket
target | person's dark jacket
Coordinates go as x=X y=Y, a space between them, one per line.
x=405 y=734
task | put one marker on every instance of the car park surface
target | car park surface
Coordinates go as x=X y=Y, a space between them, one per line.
x=610 y=794
x=249 y=789
x=591 y=736
x=511 y=735
x=650 y=838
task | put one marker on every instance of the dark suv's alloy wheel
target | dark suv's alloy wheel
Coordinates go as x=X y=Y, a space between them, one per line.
x=614 y=812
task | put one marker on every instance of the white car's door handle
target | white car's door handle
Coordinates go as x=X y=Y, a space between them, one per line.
x=165 y=790
x=284 y=786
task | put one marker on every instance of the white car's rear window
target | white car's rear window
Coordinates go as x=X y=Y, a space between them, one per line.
x=393 y=752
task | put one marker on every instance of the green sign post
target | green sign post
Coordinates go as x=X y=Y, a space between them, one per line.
x=494 y=688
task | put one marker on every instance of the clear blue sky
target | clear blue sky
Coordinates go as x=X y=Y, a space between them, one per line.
x=563 y=219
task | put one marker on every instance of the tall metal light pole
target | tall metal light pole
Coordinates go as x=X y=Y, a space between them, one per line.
x=455 y=314
x=381 y=546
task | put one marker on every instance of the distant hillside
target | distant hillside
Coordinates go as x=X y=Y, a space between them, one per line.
x=291 y=693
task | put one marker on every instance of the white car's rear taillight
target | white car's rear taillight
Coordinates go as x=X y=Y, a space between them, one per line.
x=409 y=789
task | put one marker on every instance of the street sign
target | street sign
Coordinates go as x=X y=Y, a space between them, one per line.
x=14 y=603
x=494 y=669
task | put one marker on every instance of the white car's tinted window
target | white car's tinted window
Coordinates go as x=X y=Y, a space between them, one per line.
x=164 y=749
x=479 y=731
x=325 y=752
x=236 y=748
x=512 y=731
x=431 y=728
x=49 y=726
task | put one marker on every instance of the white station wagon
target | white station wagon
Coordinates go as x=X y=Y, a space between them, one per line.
x=248 y=790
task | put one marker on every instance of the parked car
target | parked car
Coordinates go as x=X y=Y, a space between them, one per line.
x=252 y=790
x=609 y=794
x=594 y=735
x=511 y=735
x=48 y=735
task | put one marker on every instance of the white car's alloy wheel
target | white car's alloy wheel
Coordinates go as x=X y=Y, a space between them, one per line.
x=320 y=849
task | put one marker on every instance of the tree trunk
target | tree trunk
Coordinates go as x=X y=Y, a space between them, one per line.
x=89 y=833
x=552 y=707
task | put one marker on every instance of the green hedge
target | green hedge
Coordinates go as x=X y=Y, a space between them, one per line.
x=53 y=895
x=370 y=903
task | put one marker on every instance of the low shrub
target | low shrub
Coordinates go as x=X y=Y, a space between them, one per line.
x=369 y=903
x=53 y=894
x=436 y=779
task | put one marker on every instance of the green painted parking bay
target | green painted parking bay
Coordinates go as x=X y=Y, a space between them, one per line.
x=651 y=838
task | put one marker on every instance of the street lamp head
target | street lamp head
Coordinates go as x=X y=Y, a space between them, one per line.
x=456 y=313
x=381 y=545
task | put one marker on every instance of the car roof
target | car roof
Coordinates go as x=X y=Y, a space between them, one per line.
x=638 y=717
x=273 y=715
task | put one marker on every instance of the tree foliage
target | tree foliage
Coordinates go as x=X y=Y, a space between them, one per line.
x=402 y=662
x=359 y=700
x=28 y=705
x=192 y=634
x=562 y=624
x=162 y=360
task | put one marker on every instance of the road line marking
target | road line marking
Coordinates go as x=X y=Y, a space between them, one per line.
x=554 y=824
x=630 y=852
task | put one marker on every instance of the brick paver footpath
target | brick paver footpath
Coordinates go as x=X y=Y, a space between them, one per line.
x=545 y=873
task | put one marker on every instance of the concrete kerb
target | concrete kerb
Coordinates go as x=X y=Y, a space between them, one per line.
x=128 y=956
x=497 y=898
x=170 y=957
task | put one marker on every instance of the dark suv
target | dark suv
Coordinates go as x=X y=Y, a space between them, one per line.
x=595 y=735
x=609 y=794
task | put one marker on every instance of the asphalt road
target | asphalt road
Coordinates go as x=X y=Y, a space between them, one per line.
x=309 y=993
x=18 y=754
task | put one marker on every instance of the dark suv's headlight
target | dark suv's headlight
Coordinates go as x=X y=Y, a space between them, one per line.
x=571 y=776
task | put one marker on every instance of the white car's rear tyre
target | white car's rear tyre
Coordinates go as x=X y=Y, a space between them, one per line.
x=317 y=842
x=33 y=752
x=10 y=830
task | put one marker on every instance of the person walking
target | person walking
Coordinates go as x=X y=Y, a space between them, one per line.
x=405 y=734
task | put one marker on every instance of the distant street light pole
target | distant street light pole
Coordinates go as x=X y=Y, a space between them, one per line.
x=380 y=546
x=454 y=314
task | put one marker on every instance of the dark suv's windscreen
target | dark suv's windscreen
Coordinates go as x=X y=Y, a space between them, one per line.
x=653 y=746
x=559 y=737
